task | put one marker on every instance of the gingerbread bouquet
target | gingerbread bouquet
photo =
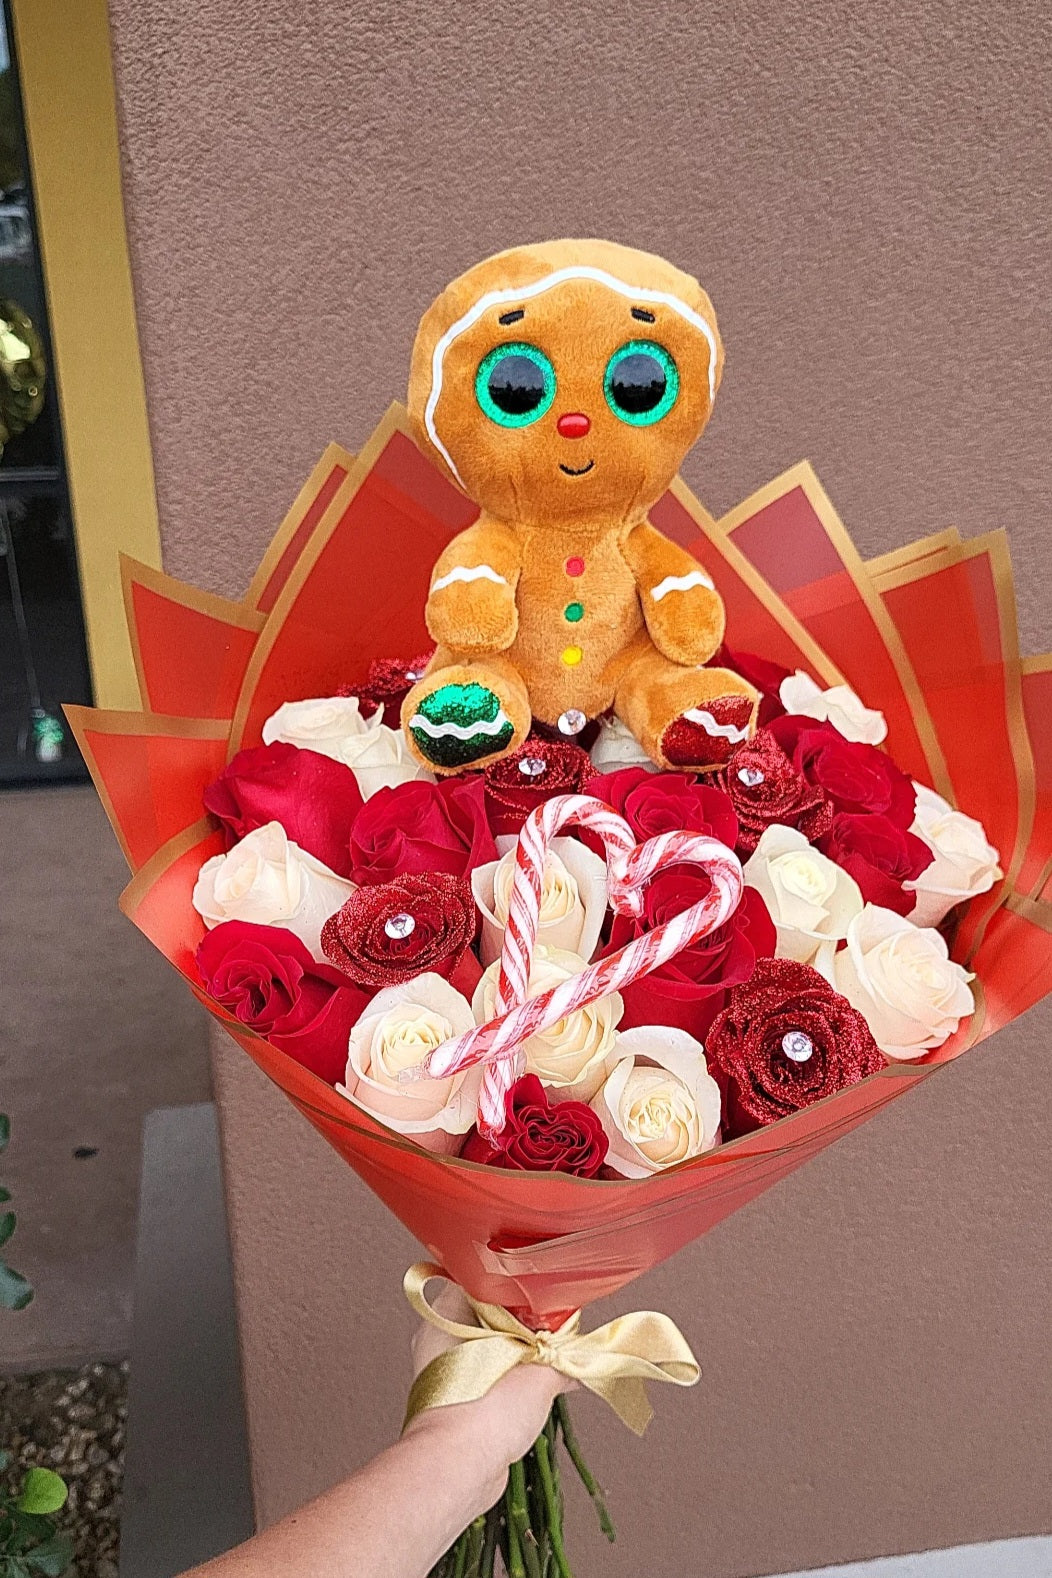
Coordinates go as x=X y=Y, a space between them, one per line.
x=577 y=864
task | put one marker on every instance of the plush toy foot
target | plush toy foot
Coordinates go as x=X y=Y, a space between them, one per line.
x=704 y=737
x=686 y=718
x=465 y=715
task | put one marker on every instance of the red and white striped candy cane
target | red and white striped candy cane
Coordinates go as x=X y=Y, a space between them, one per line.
x=630 y=867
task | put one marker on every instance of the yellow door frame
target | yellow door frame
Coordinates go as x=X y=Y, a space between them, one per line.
x=66 y=75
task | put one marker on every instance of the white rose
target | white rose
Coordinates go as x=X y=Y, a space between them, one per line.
x=901 y=979
x=616 y=747
x=401 y=1026
x=965 y=863
x=381 y=760
x=812 y=901
x=573 y=1058
x=321 y=724
x=660 y=1105
x=573 y=898
x=334 y=726
x=268 y=879
x=839 y=706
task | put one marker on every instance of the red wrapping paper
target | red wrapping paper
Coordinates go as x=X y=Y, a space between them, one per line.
x=796 y=592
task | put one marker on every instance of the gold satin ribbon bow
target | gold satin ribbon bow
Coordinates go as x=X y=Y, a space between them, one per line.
x=614 y=1361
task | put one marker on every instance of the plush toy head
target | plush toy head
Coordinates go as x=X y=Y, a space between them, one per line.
x=563 y=383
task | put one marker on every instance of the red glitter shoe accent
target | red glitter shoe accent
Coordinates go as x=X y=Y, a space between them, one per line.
x=686 y=743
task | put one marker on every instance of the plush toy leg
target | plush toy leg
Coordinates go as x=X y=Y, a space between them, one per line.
x=685 y=718
x=465 y=714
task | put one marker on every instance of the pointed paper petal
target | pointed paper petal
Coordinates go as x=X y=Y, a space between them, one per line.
x=150 y=772
x=790 y=532
x=358 y=588
x=289 y=540
x=191 y=648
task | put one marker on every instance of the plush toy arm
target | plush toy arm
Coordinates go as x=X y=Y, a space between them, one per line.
x=683 y=611
x=471 y=604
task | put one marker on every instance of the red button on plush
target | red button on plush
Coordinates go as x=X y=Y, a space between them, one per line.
x=575 y=566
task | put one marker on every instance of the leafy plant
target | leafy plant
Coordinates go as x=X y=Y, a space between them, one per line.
x=29 y=1541
x=30 y=1544
x=15 y=1291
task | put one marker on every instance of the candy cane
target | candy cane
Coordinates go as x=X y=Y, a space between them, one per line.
x=630 y=867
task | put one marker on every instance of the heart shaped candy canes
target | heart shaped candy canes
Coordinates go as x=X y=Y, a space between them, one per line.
x=629 y=867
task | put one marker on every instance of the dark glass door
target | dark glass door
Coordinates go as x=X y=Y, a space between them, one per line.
x=43 y=655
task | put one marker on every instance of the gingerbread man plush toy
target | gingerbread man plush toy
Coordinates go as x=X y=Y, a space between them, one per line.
x=560 y=387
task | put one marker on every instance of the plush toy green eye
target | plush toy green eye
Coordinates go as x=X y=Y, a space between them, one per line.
x=641 y=383
x=515 y=384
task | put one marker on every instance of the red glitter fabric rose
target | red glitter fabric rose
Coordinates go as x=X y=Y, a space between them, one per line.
x=853 y=777
x=764 y=787
x=391 y=932
x=266 y=978
x=879 y=855
x=315 y=799
x=689 y=990
x=417 y=827
x=541 y=1138
x=387 y=684
x=653 y=803
x=786 y=1039
x=538 y=769
x=765 y=675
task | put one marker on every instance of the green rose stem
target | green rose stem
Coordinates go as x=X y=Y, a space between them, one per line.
x=584 y=1473
x=520 y=1518
x=551 y=1501
x=516 y=1569
x=489 y=1543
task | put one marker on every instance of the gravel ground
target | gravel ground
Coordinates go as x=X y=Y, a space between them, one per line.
x=73 y=1421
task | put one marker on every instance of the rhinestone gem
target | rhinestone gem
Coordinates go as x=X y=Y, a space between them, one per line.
x=750 y=776
x=572 y=721
x=796 y=1046
x=414 y=674
x=532 y=766
x=399 y=927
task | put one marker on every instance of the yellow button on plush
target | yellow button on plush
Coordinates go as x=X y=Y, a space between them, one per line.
x=572 y=656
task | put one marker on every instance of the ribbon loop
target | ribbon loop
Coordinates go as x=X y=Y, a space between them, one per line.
x=614 y=1361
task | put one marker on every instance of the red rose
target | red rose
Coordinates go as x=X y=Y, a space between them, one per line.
x=786 y=1039
x=537 y=770
x=653 y=803
x=393 y=931
x=315 y=799
x=852 y=776
x=689 y=991
x=541 y=1138
x=387 y=684
x=266 y=978
x=879 y=855
x=764 y=787
x=418 y=827
x=765 y=675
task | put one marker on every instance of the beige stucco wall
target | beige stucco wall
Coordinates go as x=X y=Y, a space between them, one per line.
x=860 y=188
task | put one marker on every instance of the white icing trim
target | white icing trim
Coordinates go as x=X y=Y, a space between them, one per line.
x=497 y=298
x=681 y=583
x=477 y=572
x=459 y=731
x=724 y=731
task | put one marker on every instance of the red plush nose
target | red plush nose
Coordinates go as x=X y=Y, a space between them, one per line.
x=574 y=424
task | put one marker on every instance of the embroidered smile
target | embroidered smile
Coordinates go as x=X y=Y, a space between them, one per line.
x=580 y=470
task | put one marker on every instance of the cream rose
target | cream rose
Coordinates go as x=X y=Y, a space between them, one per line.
x=902 y=980
x=660 y=1105
x=812 y=901
x=616 y=747
x=965 y=863
x=268 y=879
x=334 y=726
x=398 y=1030
x=573 y=898
x=574 y=1057
x=838 y=705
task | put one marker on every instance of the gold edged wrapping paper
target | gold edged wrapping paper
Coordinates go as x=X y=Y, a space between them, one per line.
x=804 y=477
